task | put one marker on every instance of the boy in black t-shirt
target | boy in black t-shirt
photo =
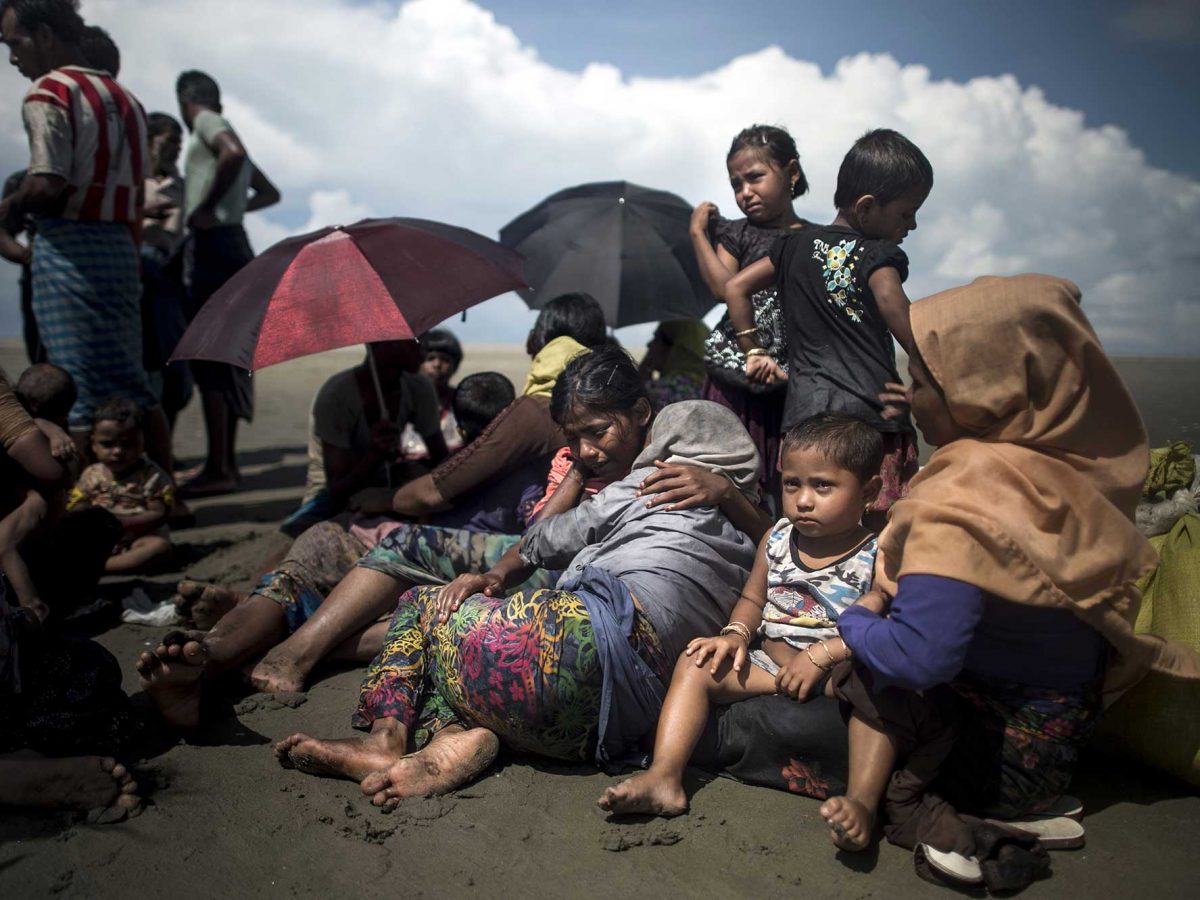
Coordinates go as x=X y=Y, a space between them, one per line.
x=840 y=288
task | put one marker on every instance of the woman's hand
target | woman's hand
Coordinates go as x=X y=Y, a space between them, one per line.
x=761 y=369
x=452 y=595
x=797 y=677
x=683 y=487
x=896 y=399
x=876 y=601
x=720 y=648
x=700 y=215
x=373 y=501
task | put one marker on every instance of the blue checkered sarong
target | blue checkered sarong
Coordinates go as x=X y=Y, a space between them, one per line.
x=86 y=299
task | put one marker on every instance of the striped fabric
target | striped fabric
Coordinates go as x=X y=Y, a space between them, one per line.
x=86 y=297
x=86 y=128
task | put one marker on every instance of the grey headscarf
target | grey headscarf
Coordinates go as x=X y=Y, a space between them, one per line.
x=706 y=434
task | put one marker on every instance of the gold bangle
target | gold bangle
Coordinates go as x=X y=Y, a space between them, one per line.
x=738 y=628
x=832 y=662
x=746 y=333
x=755 y=351
x=808 y=653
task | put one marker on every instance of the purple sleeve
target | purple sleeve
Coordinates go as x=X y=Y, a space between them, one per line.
x=924 y=640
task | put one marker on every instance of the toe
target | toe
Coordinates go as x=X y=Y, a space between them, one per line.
x=374 y=783
x=193 y=652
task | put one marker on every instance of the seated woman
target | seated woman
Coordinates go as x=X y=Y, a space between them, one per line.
x=1012 y=566
x=534 y=670
x=674 y=362
x=354 y=442
x=523 y=434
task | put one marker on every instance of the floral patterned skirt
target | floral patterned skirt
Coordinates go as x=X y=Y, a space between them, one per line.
x=523 y=666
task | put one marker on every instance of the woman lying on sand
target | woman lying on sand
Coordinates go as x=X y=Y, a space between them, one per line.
x=465 y=670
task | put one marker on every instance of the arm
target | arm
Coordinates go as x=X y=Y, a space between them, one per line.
x=747 y=613
x=40 y=194
x=924 y=640
x=893 y=304
x=420 y=497
x=32 y=453
x=62 y=447
x=13 y=250
x=144 y=522
x=717 y=264
x=752 y=279
x=231 y=156
x=14 y=528
x=683 y=487
x=264 y=193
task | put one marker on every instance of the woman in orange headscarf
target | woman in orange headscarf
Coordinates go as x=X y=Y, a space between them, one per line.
x=1012 y=567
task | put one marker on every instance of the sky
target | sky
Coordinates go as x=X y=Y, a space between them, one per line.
x=1062 y=135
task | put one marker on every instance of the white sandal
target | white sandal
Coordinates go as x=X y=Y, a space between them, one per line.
x=952 y=867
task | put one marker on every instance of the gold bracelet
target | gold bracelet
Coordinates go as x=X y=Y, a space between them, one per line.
x=808 y=653
x=832 y=662
x=746 y=333
x=756 y=351
x=738 y=628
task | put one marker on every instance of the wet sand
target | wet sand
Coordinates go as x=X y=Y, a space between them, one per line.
x=227 y=821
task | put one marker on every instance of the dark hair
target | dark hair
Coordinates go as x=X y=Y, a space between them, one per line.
x=159 y=122
x=439 y=340
x=100 y=50
x=478 y=399
x=60 y=16
x=121 y=410
x=199 y=88
x=576 y=316
x=847 y=442
x=605 y=381
x=884 y=164
x=774 y=143
x=46 y=391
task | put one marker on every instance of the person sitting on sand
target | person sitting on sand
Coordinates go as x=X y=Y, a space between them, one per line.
x=1011 y=566
x=126 y=482
x=354 y=443
x=674 y=362
x=469 y=669
x=443 y=356
x=812 y=565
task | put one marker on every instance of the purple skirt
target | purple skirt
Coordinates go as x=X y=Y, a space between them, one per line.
x=762 y=414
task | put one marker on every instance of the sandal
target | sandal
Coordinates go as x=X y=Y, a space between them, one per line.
x=946 y=866
x=1052 y=832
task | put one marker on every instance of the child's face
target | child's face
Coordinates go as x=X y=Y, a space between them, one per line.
x=891 y=221
x=165 y=147
x=929 y=407
x=606 y=443
x=763 y=190
x=117 y=446
x=438 y=367
x=820 y=498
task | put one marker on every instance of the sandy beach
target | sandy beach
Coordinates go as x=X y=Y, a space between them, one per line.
x=226 y=820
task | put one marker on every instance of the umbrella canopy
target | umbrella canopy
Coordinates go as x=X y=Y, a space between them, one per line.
x=376 y=280
x=624 y=244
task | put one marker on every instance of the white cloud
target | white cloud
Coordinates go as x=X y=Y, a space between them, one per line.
x=435 y=110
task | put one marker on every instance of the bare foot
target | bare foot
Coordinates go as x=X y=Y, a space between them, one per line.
x=277 y=673
x=98 y=785
x=850 y=822
x=354 y=758
x=204 y=604
x=171 y=679
x=450 y=760
x=206 y=485
x=647 y=793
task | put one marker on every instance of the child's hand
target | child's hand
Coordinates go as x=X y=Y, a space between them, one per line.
x=720 y=648
x=764 y=370
x=896 y=399
x=876 y=601
x=62 y=447
x=700 y=216
x=797 y=677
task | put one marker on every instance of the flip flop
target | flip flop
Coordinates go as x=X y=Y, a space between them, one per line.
x=1065 y=805
x=1052 y=832
x=947 y=865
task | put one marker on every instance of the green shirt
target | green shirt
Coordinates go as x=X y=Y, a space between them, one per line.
x=201 y=169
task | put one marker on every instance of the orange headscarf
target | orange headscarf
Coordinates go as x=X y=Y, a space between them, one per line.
x=1036 y=504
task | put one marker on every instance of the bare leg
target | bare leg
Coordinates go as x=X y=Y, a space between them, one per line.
x=158 y=438
x=142 y=553
x=364 y=646
x=88 y=783
x=851 y=818
x=659 y=790
x=359 y=599
x=219 y=474
x=353 y=758
x=454 y=757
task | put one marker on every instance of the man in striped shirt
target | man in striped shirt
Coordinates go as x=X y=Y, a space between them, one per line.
x=88 y=158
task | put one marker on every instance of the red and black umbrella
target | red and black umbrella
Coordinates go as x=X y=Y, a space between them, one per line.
x=376 y=280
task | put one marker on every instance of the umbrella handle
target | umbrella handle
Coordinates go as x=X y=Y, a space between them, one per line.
x=383 y=410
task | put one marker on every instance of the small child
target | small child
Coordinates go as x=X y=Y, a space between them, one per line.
x=811 y=566
x=842 y=298
x=48 y=392
x=125 y=482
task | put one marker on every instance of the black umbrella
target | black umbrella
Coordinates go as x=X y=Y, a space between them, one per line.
x=624 y=244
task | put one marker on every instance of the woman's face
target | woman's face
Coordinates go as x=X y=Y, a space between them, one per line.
x=929 y=406
x=607 y=443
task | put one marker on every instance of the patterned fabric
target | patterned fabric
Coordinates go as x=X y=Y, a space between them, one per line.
x=803 y=604
x=900 y=464
x=559 y=467
x=87 y=300
x=668 y=389
x=127 y=495
x=429 y=555
x=87 y=129
x=523 y=666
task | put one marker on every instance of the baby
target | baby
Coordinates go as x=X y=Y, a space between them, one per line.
x=812 y=565
x=125 y=482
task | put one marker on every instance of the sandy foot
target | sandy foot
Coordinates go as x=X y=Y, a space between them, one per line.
x=353 y=758
x=646 y=793
x=98 y=785
x=277 y=673
x=171 y=679
x=204 y=604
x=450 y=760
x=850 y=822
